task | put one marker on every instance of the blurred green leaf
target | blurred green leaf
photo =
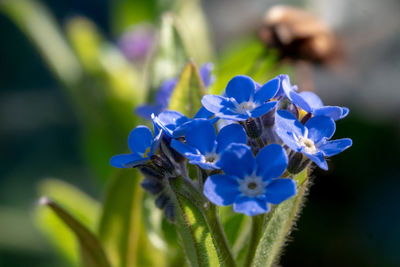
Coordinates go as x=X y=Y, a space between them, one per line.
x=186 y=97
x=193 y=28
x=126 y=13
x=92 y=253
x=249 y=57
x=193 y=231
x=235 y=225
x=121 y=227
x=278 y=225
x=110 y=92
x=169 y=57
x=18 y=233
x=81 y=206
x=40 y=26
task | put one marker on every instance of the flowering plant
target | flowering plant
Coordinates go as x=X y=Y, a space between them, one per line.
x=259 y=162
x=226 y=173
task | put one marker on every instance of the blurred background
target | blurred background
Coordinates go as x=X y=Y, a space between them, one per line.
x=352 y=215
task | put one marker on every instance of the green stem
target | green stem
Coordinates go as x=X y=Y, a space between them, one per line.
x=257 y=224
x=218 y=235
x=209 y=212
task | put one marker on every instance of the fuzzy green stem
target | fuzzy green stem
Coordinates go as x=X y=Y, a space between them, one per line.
x=257 y=224
x=218 y=235
x=209 y=212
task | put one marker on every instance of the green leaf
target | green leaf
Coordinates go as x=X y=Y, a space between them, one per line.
x=80 y=205
x=121 y=228
x=236 y=226
x=92 y=252
x=121 y=218
x=278 y=225
x=17 y=233
x=126 y=13
x=249 y=57
x=193 y=28
x=109 y=92
x=186 y=97
x=198 y=226
x=194 y=233
x=169 y=57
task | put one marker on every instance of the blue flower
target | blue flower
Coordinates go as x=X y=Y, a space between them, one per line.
x=142 y=144
x=309 y=101
x=311 y=139
x=242 y=101
x=206 y=74
x=173 y=123
x=161 y=100
x=203 y=147
x=249 y=183
x=164 y=93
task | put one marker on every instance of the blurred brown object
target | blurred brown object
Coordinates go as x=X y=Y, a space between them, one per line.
x=299 y=35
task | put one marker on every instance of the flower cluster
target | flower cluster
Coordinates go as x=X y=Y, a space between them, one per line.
x=273 y=132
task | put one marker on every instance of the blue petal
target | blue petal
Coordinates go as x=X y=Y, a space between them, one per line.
x=204 y=165
x=232 y=133
x=271 y=161
x=278 y=190
x=203 y=113
x=333 y=112
x=214 y=103
x=201 y=135
x=206 y=74
x=238 y=160
x=318 y=159
x=240 y=88
x=184 y=149
x=145 y=111
x=156 y=140
x=267 y=91
x=286 y=125
x=298 y=100
x=140 y=139
x=164 y=93
x=250 y=206
x=281 y=92
x=228 y=115
x=331 y=148
x=320 y=127
x=169 y=121
x=263 y=109
x=312 y=99
x=127 y=160
x=345 y=112
x=221 y=190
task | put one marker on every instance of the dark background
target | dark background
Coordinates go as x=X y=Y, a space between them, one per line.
x=352 y=214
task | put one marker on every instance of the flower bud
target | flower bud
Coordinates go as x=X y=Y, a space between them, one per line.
x=268 y=119
x=253 y=128
x=161 y=201
x=151 y=173
x=170 y=152
x=163 y=164
x=170 y=212
x=297 y=162
x=152 y=186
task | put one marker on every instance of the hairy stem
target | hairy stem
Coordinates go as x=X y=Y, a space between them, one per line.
x=257 y=224
x=218 y=235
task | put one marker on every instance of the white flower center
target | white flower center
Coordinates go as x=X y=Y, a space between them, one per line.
x=211 y=157
x=243 y=107
x=306 y=143
x=252 y=186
